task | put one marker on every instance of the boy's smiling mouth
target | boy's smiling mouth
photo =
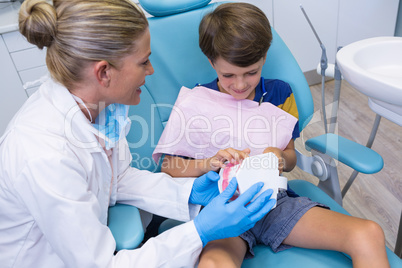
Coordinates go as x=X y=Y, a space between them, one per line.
x=240 y=91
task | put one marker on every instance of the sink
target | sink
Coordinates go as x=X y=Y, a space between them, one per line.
x=374 y=67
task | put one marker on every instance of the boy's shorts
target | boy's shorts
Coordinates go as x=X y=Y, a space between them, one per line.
x=278 y=223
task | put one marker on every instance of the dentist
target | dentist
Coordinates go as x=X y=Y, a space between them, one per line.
x=64 y=158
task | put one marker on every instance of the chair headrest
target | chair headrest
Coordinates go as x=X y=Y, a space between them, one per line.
x=160 y=8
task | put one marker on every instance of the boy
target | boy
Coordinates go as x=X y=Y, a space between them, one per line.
x=235 y=37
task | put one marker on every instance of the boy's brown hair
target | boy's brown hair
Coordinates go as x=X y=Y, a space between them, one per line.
x=239 y=33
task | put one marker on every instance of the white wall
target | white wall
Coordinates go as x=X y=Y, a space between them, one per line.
x=294 y=29
x=360 y=19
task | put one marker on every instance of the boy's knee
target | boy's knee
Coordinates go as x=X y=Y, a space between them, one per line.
x=215 y=262
x=374 y=231
x=369 y=235
x=227 y=252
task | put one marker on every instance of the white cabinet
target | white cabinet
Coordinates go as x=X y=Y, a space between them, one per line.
x=11 y=91
x=28 y=60
x=21 y=63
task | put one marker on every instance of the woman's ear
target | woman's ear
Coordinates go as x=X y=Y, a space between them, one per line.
x=102 y=70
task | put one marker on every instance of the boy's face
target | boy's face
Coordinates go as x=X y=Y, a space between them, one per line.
x=240 y=82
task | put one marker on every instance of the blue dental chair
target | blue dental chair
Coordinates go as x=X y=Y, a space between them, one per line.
x=178 y=61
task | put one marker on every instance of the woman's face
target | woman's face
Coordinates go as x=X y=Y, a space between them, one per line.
x=240 y=82
x=128 y=79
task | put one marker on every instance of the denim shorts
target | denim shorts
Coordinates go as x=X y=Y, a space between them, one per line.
x=278 y=223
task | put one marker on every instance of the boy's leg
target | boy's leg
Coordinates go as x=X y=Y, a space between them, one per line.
x=227 y=252
x=362 y=239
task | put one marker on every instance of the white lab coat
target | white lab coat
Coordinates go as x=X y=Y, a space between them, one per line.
x=56 y=186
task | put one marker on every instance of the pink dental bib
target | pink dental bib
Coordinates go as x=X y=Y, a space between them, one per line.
x=203 y=121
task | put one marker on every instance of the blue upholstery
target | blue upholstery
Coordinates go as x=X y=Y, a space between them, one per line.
x=279 y=64
x=306 y=258
x=125 y=224
x=178 y=61
x=168 y=7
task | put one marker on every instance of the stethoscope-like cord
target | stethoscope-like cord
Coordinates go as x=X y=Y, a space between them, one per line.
x=264 y=92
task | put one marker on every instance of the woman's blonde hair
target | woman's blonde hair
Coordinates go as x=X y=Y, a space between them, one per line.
x=76 y=32
x=240 y=33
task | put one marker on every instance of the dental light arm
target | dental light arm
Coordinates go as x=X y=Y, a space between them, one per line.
x=324 y=66
x=337 y=93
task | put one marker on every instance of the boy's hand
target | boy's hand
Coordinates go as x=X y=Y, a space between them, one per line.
x=231 y=155
x=279 y=153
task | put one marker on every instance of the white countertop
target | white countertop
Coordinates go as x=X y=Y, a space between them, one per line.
x=9 y=16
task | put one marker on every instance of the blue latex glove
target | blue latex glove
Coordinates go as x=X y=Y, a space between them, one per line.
x=205 y=188
x=222 y=219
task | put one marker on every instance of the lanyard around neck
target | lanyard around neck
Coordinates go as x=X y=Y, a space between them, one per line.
x=264 y=92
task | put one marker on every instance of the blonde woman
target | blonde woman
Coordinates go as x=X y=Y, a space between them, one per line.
x=64 y=158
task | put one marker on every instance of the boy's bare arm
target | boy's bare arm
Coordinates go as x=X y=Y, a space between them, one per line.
x=177 y=166
x=287 y=157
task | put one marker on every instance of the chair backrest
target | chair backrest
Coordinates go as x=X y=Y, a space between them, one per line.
x=178 y=61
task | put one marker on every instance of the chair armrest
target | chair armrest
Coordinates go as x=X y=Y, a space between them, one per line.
x=124 y=222
x=352 y=154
